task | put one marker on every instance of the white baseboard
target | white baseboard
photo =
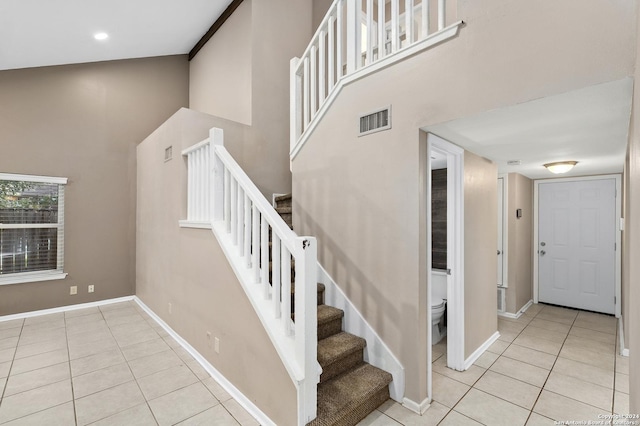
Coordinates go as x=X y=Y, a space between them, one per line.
x=478 y=352
x=519 y=313
x=418 y=408
x=245 y=402
x=226 y=384
x=65 y=308
x=622 y=350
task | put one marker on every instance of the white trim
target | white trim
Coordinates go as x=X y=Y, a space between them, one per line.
x=33 y=178
x=517 y=314
x=245 y=402
x=435 y=38
x=505 y=229
x=418 y=408
x=273 y=198
x=478 y=352
x=194 y=147
x=194 y=224
x=618 y=254
x=32 y=277
x=623 y=351
x=455 y=257
x=376 y=352
x=64 y=309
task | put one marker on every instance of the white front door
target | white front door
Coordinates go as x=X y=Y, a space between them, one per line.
x=576 y=244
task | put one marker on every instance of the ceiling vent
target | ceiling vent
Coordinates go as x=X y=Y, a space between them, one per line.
x=375 y=121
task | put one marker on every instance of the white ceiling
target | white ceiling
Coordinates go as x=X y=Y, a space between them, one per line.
x=36 y=33
x=589 y=125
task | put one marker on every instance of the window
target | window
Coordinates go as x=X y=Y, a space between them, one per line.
x=31 y=228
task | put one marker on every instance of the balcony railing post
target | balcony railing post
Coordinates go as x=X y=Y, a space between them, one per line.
x=216 y=138
x=353 y=35
x=295 y=103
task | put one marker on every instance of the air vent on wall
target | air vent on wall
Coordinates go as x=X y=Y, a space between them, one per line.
x=375 y=121
x=168 y=153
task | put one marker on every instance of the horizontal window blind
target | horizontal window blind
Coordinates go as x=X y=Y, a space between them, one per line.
x=31 y=225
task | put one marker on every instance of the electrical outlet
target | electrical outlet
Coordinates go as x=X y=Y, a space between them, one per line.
x=170 y=310
x=216 y=345
x=73 y=290
x=91 y=288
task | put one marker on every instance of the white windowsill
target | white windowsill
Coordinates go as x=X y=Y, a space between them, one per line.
x=194 y=224
x=32 y=277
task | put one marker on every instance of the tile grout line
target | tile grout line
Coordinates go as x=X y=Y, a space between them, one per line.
x=6 y=383
x=73 y=397
x=135 y=379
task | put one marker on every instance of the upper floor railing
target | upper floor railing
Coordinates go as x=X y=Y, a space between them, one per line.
x=264 y=254
x=357 y=37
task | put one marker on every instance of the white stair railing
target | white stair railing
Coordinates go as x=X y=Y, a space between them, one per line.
x=357 y=37
x=242 y=220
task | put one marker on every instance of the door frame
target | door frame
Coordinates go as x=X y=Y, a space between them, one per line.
x=618 y=258
x=455 y=252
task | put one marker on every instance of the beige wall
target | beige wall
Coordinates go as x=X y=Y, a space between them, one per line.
x=83 y=122
x=480 y=243
x=187 y=268
x=519 y=234
x=359 y=196
x=220 y=74
x=269 y=34
x=633 y=232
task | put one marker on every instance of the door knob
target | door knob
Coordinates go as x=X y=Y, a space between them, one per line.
x=499 y=252
x=542 y=252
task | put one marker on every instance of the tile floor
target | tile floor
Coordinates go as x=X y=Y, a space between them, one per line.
x=551 y=364
x=112 y=365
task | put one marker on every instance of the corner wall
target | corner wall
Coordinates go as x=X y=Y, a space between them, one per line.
x=519 y=233
x=83 y=122
x=188 y=269
x=242 y=74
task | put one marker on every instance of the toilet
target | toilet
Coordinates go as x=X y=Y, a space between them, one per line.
x=438 y=330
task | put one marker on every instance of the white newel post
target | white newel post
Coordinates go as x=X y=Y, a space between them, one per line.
x=216 y=138
x=306 y=329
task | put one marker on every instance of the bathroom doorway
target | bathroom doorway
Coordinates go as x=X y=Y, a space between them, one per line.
x=445 y=253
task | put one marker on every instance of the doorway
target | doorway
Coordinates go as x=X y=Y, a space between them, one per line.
x=451 y=158
x=577 y=243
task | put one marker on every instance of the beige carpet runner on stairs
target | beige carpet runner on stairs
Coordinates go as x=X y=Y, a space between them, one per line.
x=349 y=388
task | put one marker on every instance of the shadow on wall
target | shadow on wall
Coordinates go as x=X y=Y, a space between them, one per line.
x=355 y=282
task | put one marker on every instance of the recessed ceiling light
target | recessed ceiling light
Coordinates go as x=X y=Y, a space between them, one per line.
x=101 y=36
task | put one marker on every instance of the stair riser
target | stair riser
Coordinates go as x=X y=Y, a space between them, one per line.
x=342 y=365
x=329 y=328
x=364 y=410
x=284 y=203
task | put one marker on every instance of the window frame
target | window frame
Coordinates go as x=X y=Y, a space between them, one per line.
x=47 y=274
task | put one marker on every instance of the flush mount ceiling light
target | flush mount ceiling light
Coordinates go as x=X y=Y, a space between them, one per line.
x=101 y=36
x=560 y=166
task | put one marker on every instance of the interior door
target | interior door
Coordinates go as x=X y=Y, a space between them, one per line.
x=576 y=244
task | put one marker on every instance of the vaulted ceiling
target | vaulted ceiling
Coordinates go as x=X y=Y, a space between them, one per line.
x=35 y=33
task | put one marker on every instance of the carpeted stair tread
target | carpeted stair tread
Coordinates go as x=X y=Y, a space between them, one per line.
x=328 y=313
x=350 y=397
x=284 y=210
x=283 y=197
x=339 y=353
x=337 y=346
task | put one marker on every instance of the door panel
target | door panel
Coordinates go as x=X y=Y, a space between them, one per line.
x=576 y=252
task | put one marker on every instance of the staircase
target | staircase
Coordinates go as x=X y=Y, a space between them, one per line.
x=349 y=388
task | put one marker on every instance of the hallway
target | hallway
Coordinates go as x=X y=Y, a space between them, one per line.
x=550 y=364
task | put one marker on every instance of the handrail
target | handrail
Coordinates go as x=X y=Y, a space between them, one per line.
x=242 y=219
x=351 y=39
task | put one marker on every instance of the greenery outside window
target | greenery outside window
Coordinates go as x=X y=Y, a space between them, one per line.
x=31 y=228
